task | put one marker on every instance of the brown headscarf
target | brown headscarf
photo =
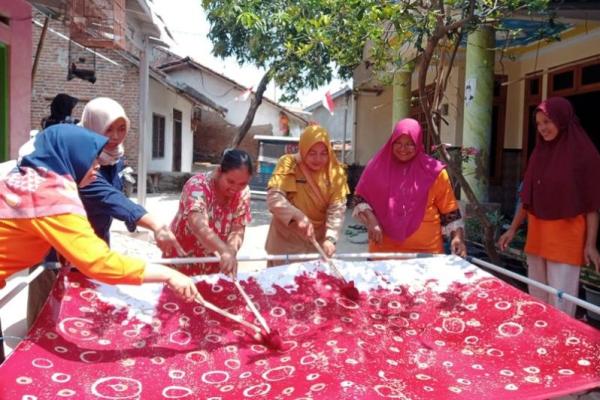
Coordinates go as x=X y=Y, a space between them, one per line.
x=561 y=180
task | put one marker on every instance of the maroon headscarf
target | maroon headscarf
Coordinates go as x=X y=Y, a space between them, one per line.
x=397 y=191
x=562 y=177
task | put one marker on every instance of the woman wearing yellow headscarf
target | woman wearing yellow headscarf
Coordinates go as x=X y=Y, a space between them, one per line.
x=307 y=197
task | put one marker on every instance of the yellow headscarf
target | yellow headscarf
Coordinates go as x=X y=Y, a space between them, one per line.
x=331 y=181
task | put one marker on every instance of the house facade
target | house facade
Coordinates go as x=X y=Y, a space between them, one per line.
x=15 y=76
x=215 y=129
x=340 y=124
x=532 y=71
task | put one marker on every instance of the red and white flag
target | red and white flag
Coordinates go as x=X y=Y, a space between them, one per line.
x=244 y=96
x=328 y=102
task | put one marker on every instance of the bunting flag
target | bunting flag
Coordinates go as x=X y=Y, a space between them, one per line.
x=328 y=102
x=245 y=95
x=422 y=329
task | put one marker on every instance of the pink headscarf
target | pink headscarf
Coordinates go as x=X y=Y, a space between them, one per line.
x=397 y=191
x=561 y=180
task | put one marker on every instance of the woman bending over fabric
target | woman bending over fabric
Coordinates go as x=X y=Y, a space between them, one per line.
x=560 y=199
x=214 y=210
x=405 y=198
x=307 y=197
x=40 y=208
x=103 y=199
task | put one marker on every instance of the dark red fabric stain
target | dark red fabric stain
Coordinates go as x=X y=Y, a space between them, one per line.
x=478 y=340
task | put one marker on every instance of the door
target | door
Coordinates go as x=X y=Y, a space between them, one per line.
x=177 y=128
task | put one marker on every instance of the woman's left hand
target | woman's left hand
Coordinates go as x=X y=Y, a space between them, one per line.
x=166 y=241
x=591 y=256
x=457 y=246
x=328 y=248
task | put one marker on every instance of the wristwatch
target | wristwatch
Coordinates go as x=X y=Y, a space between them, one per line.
x=331 y=239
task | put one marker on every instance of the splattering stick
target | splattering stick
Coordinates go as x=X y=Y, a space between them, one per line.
x=226 y=314
x=271 y=338
x=348 y=289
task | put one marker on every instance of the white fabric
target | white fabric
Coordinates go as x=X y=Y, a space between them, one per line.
x=98 y=115
x=560 y=276
x=453 y=226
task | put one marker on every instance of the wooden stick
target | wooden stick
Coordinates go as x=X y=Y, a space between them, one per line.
x=327 y=259
x=226 y=314
x=252 y=306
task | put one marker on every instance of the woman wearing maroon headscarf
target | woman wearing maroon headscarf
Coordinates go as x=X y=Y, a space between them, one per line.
x=404 y=197
x=560 y=198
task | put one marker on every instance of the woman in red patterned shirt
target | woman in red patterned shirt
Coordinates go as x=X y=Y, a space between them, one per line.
x=213 y=212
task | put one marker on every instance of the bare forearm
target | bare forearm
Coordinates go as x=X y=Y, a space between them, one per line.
x=236 y=237
x=203 y=232
x=519 y=218
x=591 y=219
x=150 y=222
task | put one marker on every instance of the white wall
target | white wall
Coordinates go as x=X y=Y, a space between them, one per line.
x=162 y=101
x=224 y=94
x=335 y=123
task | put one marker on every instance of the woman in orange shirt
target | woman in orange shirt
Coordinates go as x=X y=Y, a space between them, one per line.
x=405 y=198
x=560 y=199
x=40 y=208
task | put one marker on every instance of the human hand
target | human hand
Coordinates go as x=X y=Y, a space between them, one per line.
x=457 y=246
x=182 y=285
x=328 y=248
x=375 y=233
x=506 y=238
x=228 y=263
x=591 y=256
x=166 y=241
x=305 y=227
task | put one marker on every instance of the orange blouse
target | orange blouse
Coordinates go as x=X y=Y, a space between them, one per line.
x=25 y=243
x=559 y=240
x=428 y=237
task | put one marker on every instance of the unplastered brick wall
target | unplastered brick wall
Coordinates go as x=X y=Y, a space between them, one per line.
x=118 y=80
x=213 y=134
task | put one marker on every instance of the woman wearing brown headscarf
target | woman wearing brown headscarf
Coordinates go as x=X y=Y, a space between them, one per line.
x=561 y=199
x=307 y=197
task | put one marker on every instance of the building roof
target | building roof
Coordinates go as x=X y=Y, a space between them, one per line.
x=188 y=62
x=335 y=95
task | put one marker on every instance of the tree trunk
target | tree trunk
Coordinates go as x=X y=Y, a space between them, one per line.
x=488 y=228
x=256 y=102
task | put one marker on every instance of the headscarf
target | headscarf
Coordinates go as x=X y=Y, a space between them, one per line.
x=331 y=181
x=98 y=115
x=45 y=181
x=60 y=110
x=561 y=180
x=397 y=191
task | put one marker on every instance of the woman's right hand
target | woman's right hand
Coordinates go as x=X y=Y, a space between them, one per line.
x=228 y=263
x=305 y=227
x=506 y=238
x=375 y=233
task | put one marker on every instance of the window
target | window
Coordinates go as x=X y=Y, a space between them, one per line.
x=158 y=136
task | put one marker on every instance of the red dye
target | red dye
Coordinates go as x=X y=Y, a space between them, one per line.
x=474 y=341
x=272 y=340
x=350 y=291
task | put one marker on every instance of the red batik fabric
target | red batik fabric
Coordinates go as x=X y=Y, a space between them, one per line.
x=423 y=329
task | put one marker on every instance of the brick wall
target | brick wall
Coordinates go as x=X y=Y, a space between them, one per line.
x=120 y=82
x=213 y=135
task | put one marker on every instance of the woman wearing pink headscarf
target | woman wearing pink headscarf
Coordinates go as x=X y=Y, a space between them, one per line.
x=560 y=199
x=405 y=198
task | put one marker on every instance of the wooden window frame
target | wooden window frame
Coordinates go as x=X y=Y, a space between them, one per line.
x=158 y=138
x=528 y=101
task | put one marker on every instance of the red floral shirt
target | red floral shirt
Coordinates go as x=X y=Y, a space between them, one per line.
x=199 y=196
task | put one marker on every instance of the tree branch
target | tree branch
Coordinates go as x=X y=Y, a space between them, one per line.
x=255 y=103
